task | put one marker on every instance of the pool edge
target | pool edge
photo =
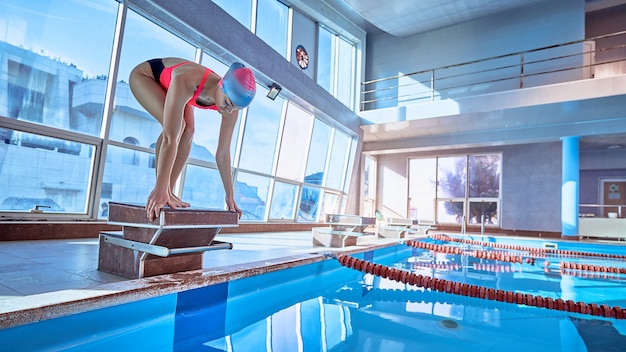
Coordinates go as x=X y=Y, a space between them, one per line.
x=39 y=307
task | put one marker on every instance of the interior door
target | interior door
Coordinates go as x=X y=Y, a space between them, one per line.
x=614 y=193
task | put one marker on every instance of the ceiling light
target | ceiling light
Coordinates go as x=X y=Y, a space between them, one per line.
x=274 y=91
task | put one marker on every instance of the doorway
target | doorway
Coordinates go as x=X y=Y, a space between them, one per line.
x=613 y=193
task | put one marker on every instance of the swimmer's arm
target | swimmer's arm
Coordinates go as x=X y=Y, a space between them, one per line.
x=176 y=99
x=222 y=156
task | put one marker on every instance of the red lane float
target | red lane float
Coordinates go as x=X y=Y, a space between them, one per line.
x=535 y=251
x=490 y=255
x=504 y=257
x=598 y=268
x=458 y=288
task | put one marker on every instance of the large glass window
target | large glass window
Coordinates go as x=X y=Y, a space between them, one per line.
x=241 y=10
x=467 y=187
x=484 y=176
x=272 y=24
x=48 y=79
x=143 y=40
x=422 y=188
x=331 y=205
x=350 y=164
x=251 y=195
x=294 y=143
x=53 y=91
x=260 y=133
x=207 y=127
x=131 y=183
x=309 y=203
x=318 y=153
x=345 y=72
x=203 y=187
x=369 y=186
x=338 y=161
x=484 y=188
x=451 y=177
x=336 y=68
x=284 y=199
x=36 y=170
x=325 y=59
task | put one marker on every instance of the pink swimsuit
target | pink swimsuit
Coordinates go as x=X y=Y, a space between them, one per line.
x=166 y=78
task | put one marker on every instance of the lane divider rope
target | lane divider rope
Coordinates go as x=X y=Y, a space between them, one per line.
x=534 y=250
x=463 y=289
x=511 y=258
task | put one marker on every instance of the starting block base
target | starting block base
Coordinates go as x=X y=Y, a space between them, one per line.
x=174 y=242
x=396 y=228
x=126 y=262
x=343 y=230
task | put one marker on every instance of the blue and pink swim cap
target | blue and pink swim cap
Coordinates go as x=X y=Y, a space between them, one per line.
x=239 y=85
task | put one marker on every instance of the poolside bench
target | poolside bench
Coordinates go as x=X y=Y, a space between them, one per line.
x=343 y=230
x=604 y=228
x=396 y=228
x=173 y=242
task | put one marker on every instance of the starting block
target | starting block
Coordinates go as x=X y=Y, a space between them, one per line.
x=343 y=230
x=423 y=226
x=173 y=242
x=396 y=228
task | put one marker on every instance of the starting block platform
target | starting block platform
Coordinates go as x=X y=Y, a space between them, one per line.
x=173 y=242
x=343 y=230
x=397 y=228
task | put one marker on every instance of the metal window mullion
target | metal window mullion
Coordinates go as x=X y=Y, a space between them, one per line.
x=109 y=102
x=253 y=17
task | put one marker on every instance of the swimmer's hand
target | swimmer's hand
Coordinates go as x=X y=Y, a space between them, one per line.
x=232 y=206
x=178 y=203
x=157 y=200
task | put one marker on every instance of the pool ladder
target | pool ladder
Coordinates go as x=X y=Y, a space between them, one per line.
x=482 y=227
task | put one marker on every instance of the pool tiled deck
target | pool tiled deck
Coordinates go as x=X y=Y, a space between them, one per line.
x=50 y=278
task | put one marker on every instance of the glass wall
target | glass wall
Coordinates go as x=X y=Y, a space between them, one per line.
x=455 y=189
x=272 y=24
x=260 y=133
x=48 y=79
x=241 y=10
x=336 y=66
x=71 y=141
x=294 y=143
x=318 y=153
x=326 y=59
x=368 y=195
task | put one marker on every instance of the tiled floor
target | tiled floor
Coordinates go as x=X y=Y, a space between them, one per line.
x=53 y=278
x=34 y=267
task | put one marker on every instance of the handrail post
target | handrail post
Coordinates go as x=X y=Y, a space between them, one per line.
x=362 y=96
x=432 y=86
x=521 y=79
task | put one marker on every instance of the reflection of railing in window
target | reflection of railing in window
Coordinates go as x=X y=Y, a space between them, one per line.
x=41 y=142
x=553 y=64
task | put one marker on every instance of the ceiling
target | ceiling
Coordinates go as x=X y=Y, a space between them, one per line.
x=408 y=17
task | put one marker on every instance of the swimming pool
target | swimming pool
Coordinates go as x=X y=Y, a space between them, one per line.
x=326 y=306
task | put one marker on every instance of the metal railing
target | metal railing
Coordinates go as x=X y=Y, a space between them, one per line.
x=598 y=210
x=559 y=63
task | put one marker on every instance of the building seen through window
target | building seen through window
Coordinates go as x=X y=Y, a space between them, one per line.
x=52 y=121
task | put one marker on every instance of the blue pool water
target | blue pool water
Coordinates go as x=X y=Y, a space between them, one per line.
x=327 y=307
